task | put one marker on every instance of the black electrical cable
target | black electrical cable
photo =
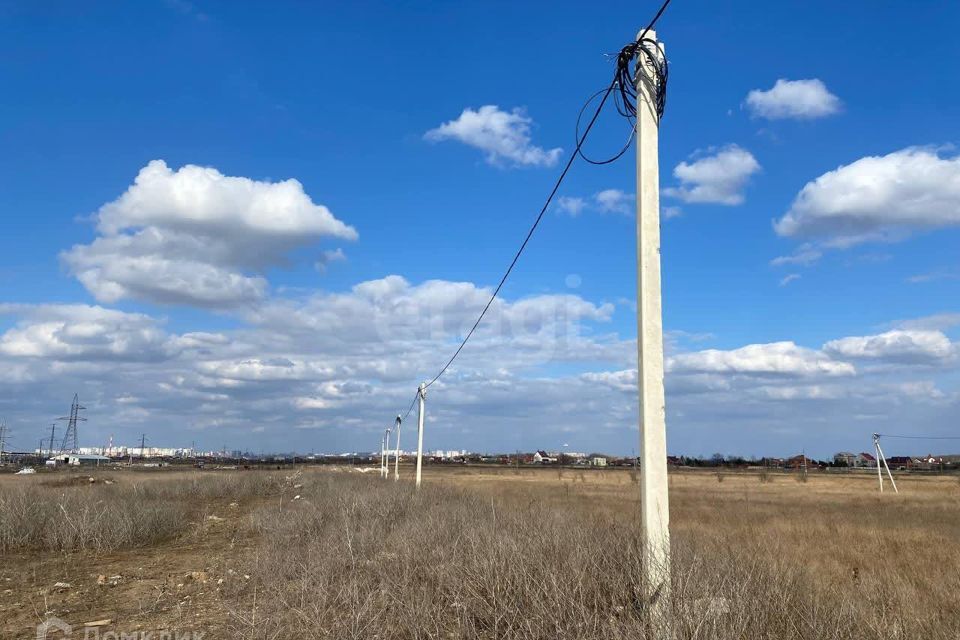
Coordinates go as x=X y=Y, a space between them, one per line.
x=410 y=408
x=887 y=435
x=625 y=99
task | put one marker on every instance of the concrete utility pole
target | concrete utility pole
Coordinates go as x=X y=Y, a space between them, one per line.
x=386 y=453
x=881 y=460
x=53 y=431
x=654 y=504
x=396 y=457
x=421 y=396
x=381 y=456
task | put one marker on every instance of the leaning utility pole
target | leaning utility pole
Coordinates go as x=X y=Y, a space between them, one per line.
x=881 y=460
x=654 y=505
x=421 y=396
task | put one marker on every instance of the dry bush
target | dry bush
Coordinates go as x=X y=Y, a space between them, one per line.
x=68 y=513
x=101 y=519
x=364 y=558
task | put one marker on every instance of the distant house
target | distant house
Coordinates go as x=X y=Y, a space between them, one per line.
x=900 y=462
x=800 y=462
x=865 y=460
x=845 y=459
x=541 y=457
x=598 y=461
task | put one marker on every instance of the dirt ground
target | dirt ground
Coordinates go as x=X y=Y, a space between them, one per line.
x=171 y=586
x=838 y=524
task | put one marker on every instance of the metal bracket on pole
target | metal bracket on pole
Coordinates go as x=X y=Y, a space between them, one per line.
x=396 y=456
x=421 y=397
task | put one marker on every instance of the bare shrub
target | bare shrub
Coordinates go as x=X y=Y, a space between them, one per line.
x=64 y=514
x=372 y=559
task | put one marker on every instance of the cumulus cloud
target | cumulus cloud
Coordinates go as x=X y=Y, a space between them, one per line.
x=339 y=363
x=775 y=358
x=504 y=136
x=718 y=178
x=197 y=237
x=797 y=99
x=81 y=332
x=901 y=346
x=877 y=198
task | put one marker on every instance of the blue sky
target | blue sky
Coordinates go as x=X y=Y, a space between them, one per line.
x=210 y=319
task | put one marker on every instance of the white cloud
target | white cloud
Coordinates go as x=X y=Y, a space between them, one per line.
x=877 y=198
x=935 y=322
x=615 y=201
x=81 y=332
x=605 y=201
x=718 y=178
x=799 y=99
x=804 y=255
x=775 y=358
x=942 y=274
x=344 y=362
x=501 y=135
x=328 y=257
x=903 y=346
x=787 y=279
x=572 y=205
x=193 y=236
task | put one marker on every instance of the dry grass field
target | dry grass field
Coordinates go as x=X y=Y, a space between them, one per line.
x=478 y=553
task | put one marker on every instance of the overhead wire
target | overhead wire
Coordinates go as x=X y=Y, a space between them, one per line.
x=623 y=83
x=625 y=99
x=888 y=435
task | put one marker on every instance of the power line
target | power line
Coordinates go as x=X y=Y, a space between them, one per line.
x=622 y=78
x=887 y=435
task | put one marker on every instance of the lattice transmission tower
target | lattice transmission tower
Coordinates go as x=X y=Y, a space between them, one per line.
x=70 y=442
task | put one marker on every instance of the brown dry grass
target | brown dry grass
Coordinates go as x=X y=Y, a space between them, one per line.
x=535 y=554
x=494 y=553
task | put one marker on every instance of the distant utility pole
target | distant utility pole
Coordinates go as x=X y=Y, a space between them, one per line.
x=654 y=504
x=396 y=456
x=421 y=397
x=3 y=439
x=53 y=431
x=385 y=461
x=143 y=443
